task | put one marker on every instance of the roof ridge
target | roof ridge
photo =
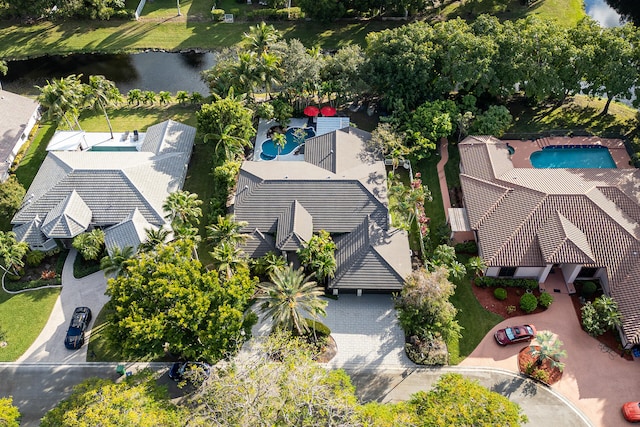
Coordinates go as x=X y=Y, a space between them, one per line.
x=137 y=191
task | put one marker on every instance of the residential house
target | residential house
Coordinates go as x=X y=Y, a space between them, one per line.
x=578 y=223
x=339 y=187
x=19 y=114
x=121 y=192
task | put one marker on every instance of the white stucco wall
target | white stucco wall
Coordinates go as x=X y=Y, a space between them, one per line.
x=529 y=272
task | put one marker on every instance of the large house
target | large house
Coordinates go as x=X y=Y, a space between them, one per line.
x=121 y=192
x=580 y=223
x=18 y=116
x=339 y=187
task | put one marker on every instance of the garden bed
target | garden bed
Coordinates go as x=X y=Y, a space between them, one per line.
x=486 y=298
x=525 y=358
x=47 y=273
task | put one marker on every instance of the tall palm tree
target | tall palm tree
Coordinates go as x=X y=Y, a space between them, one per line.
x=227 y=230
x=548 y=348
x=12 y=253
x=246 y=73
x=261 y=36
x=269 y=71
x=101 y=93
x=61 y=97
x=154 y=238
x=113 y=264
x=149 y=96
x=289 y=297
x=182 y=208
x=266 y=264
x=182 y=96
x=232 y=145
x=226 y=258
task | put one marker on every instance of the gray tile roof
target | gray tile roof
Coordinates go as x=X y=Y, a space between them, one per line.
x=15 y=113
x=113 y=184
x=30 y=232
x=531 y=217
x=130 y=232
x=371 y=258
x=68 y=218
x=295 y=227
x=259 y=244
x=339 y=185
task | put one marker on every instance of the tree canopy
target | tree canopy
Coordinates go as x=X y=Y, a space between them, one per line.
x=166 y=301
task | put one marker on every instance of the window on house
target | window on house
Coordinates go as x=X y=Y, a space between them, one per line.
x=588 y=271
x=507 y=271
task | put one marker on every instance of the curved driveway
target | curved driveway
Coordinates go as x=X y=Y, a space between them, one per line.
x=88 y=291
x=596 y=382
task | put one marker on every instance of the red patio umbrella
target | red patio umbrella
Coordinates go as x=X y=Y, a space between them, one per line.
x=328 y=111
x=311 y=111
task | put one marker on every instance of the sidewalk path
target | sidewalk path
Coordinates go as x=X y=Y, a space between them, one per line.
x=442 y=178
x=88 y=291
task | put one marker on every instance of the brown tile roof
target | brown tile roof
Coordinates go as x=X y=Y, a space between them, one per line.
x=534 y=217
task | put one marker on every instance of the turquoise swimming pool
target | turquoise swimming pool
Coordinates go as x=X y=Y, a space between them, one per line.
x=573 y=157
x=270 y=150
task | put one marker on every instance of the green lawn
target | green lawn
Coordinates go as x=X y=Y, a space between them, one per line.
x=565 y=12
x=128 y=117
x=22 y=317
x=98 y=349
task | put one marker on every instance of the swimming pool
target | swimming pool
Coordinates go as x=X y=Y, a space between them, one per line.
x=270 y=150
x=573 y=157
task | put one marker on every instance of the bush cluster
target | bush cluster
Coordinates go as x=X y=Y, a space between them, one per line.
x=285 y=14
x=466 y=248
x=492 y=282
x=589 y=288
x=528 y=303
x=217 y=14
x=545 y=300
x=427 y=352
x=500 y=293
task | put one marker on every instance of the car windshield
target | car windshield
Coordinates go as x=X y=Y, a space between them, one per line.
x=529 y=330
x=74 y=331
x=509 y=333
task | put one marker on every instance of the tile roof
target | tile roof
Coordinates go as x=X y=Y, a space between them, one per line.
x=371 y=258
x=295 y=227
x=68 y=218
x=339 y=185
x=113 y=184
x=16 y=111
x=30 y=232
x=531 y=217
x=259 y=244
x=132 y=231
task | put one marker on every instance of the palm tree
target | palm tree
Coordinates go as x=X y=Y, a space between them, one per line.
x=266 y=264
x=113 y=264
x=269 y=71
x=164 y=97
x=548 y=348
x=101 y=93
x=289 y=297
x=149 y=96
x=261 y=36
x=155 y=237
x=226 y=258
x=89 y=244
x=182 y=96
x=196 y=98
x=134 y=95
x=12 y=253
x=182 y=208
x=246 y=73
x=476 y=265
x=227 y=230
x=232 y=145
x=61 y=97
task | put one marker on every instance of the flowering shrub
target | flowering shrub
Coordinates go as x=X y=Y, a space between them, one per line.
x=48 y=275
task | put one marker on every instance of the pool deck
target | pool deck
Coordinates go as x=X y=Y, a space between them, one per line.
x=522 y=156
x=261 y=136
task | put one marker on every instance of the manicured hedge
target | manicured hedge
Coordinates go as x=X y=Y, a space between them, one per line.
x=500 y=293
x=545 y=300
x=466 y=248
x=528 y=303
x=492 y=282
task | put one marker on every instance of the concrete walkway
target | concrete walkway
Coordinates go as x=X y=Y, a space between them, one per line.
x=88 y=291
x=442 y=177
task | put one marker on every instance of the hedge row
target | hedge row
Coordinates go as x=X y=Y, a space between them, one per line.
x=492 y=282
x=292 y=13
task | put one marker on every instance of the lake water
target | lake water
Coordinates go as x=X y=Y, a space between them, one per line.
x=600 y=10
x=154 y=71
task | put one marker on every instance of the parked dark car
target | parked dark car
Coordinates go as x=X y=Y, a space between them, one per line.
x=631 y=412
x=189 y=370
x=515 y=334
x=79 y=323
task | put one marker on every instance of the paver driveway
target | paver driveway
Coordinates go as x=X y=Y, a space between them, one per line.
x=596 y=382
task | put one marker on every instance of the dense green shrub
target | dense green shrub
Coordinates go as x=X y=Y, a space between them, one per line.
x=588 y=288
x=545 y=300
x=35 y=258
x=601 y=315
x=540 y=375
x=427 y=351
x=217 y=14
x=500 y=293
x=492 y=282
x=320 y=328
x=466 y=248
x=528 y=302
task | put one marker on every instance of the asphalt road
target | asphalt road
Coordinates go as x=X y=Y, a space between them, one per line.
x=37 y=388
